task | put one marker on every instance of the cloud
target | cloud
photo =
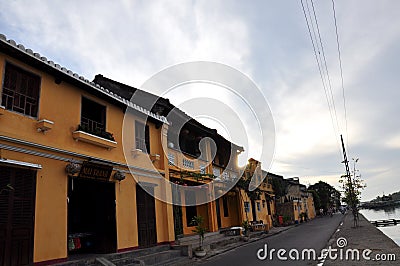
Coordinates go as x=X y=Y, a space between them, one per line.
x=131 y=40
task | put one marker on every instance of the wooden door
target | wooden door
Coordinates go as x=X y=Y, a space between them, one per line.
x=253 y=210
x=146 y=217
x=218 y=213
x=17 y=209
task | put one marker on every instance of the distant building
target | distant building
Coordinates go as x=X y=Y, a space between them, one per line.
x=298 y=204
x=257 y=206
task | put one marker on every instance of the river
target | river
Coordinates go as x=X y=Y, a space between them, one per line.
x=383 y=214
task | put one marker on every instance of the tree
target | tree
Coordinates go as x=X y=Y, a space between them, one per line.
x=352 y=189
x=280 y=187
x=317 y=200
x=324 y=195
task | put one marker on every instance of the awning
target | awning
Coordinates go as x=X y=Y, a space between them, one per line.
x=20 y=163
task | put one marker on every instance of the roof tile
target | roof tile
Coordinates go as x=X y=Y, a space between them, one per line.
x=3 y=38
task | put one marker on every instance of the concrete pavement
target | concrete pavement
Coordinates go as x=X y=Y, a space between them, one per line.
x=311 y=235
x=363 y=238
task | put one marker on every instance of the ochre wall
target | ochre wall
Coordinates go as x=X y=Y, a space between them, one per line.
x=233 y=213
x=61 y=103
x=126 y=213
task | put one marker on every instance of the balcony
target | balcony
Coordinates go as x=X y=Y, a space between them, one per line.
x=184 y=161
x=179 y=161
x=266 y=187
x=93 y=139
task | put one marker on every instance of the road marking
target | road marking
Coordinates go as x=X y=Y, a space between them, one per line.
x=324 y=255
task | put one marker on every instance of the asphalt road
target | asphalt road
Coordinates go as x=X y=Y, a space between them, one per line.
x=311 y=235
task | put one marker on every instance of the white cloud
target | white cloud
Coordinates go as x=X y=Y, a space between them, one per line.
x=130 y=40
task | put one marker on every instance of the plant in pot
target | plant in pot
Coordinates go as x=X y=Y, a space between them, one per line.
x=199 y=229
x=247 y=227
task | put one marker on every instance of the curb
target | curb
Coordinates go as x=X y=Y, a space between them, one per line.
x=332 y=239
x=239 y=244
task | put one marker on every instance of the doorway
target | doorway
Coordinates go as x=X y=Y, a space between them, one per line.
x=17 y=210
x=253 y=210
x=146 y=217
x=91 y=216
x=218 y=213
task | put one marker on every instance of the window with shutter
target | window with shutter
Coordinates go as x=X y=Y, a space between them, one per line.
x=20 y=91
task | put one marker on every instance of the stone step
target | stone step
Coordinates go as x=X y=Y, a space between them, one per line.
x=160 y=258
x=180 y=261
x=137 y=253
x=122 y=261
x=194 y=240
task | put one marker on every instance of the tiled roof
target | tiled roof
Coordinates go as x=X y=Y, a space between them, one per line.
x=71 y=74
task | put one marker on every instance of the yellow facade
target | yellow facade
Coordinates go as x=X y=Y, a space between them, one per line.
x=310 y=206
x=214 y=213
x=51 y=141
x=261 y=209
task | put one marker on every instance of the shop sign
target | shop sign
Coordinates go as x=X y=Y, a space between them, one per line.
x=95 y=171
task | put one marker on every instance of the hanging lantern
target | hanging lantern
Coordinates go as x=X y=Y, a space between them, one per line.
x=119 y=176
x=72 y=168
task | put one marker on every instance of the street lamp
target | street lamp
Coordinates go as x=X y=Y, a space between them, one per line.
x=355 y=160
x=354 y=172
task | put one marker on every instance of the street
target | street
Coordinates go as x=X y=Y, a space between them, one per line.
x=311 y=235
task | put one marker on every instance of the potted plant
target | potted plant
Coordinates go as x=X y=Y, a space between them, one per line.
x=200 y=230
x=247 y=227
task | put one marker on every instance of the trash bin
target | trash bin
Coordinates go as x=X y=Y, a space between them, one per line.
x=280 y=219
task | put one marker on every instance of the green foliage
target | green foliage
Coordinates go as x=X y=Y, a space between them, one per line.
x=246 y=225
x=325 y=194
x=286 y=219
x=352 y=189
x=199 y=229
x=99 y=133
x=244 y=184
x=316 y=198
x=280 y=186
x=197 y=176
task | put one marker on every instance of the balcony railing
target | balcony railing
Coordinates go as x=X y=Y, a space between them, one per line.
x=95 y=128
x=141 y=144
x=92 y=125
x=19 y=102
x=184 y=161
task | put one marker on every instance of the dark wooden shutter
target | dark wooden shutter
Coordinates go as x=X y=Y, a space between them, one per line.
x=146 y=218
x=147 y=138
x=17 y=218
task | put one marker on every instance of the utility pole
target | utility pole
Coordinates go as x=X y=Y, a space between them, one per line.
x=351 y=195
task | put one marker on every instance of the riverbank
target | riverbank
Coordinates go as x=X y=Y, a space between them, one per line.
x=385 y=214
x=365 y=239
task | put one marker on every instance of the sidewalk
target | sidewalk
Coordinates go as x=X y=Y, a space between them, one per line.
x=366 y=236
x=219 y=249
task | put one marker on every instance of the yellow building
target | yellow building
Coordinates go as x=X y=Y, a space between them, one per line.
x=66 y=186
x=310 y=206
x=193 y=164
x=257 y=206
x=298 y=204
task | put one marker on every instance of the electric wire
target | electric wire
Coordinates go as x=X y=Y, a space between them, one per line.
x=341 y=73
x=326 y=68
x=319 y=68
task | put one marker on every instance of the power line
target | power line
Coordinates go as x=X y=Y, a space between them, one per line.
x=341 y=73
x=326 y=67
x=319 y=66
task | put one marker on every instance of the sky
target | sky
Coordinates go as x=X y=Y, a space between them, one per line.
x=268 y=41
